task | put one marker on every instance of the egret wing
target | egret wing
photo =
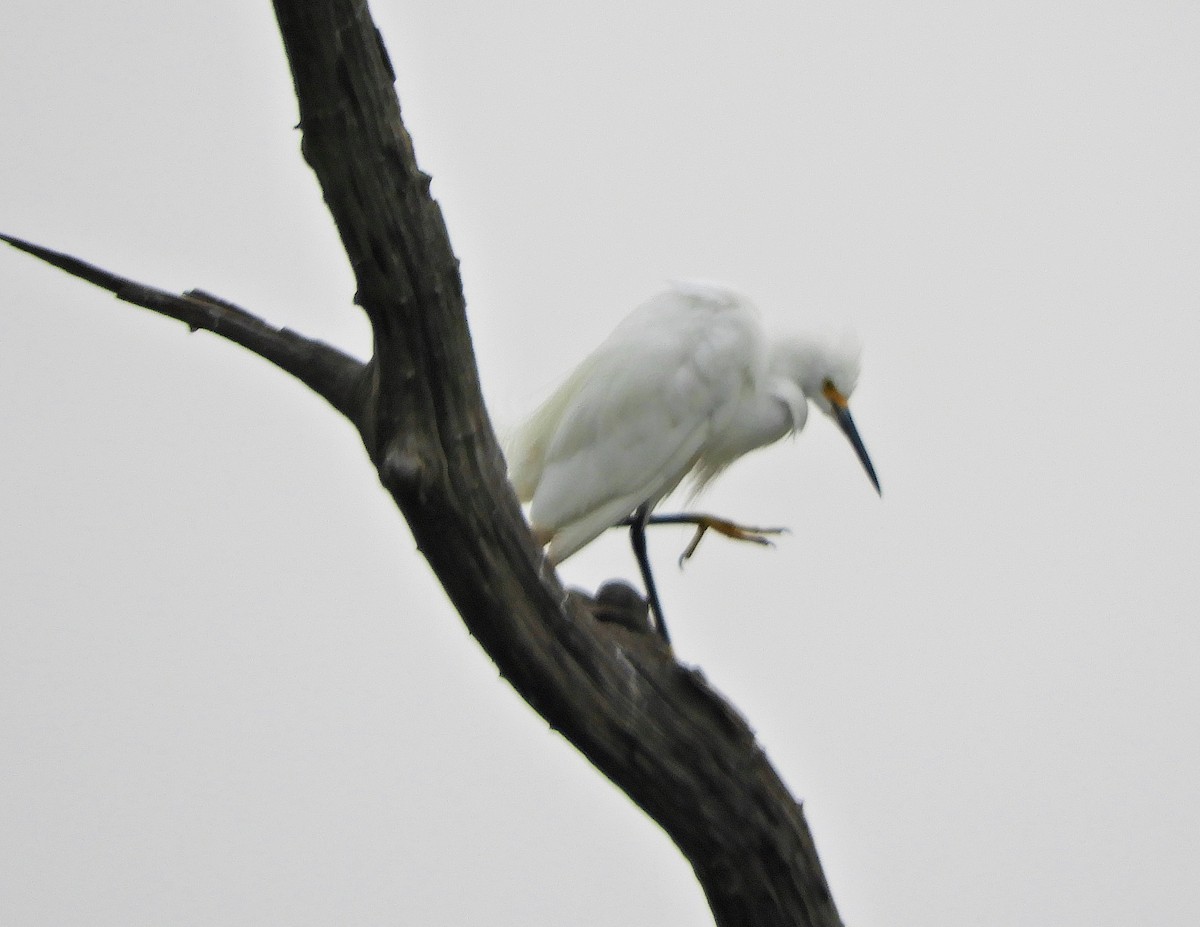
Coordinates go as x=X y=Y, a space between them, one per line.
x=631 y=422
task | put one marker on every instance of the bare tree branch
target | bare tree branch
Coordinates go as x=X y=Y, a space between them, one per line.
x=651 y=726
x=655 y=728
x=326 y=370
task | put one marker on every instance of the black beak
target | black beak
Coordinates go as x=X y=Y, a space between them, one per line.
x=841 y=415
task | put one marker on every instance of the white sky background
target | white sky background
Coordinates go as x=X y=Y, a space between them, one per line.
x=232 y=693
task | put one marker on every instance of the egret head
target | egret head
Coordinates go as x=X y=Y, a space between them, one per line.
x=827 y=372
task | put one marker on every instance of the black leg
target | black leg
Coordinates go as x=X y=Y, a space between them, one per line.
x=637 y=536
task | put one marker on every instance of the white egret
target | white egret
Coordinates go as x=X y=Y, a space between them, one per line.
x=684 y=386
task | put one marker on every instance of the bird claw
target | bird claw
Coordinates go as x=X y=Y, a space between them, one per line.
x=703 y=523
x=730 y=530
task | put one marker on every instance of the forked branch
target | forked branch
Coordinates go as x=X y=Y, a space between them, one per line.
x=655 y=728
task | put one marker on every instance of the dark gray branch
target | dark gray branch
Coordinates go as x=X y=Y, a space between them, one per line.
x=651 y=726
x=326 y=370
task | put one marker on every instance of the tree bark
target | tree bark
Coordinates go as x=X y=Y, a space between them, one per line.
x=652 y=726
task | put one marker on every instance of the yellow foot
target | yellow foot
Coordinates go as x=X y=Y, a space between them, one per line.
x=704 y=522
x=730 y=530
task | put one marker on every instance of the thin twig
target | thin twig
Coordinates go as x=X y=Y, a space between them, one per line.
x=326 y=370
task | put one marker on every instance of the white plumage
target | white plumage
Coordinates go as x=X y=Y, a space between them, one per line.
x=685 y=385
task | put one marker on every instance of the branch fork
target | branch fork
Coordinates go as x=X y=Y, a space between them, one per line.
x=655 y=728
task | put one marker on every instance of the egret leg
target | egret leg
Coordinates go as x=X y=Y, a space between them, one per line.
x=637 y=537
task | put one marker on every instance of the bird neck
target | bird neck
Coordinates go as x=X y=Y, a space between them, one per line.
x=786 y=395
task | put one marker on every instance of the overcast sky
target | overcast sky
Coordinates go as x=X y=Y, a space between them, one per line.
x=231 y=691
